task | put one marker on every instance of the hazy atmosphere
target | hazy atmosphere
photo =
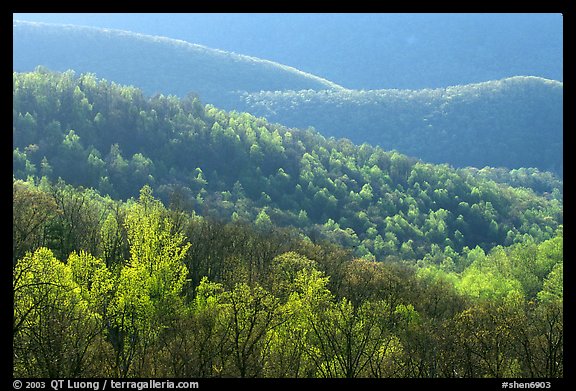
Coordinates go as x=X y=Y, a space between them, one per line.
x=366 y=51
x=289 y=196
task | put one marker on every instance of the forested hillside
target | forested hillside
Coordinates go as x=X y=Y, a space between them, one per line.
x=154 y=64
x=98 y=134
x=134 y=289
x=160 y=237
x=514 y=122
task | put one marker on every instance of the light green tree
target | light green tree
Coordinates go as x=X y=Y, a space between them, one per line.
x=150 y=286
x=55 y=329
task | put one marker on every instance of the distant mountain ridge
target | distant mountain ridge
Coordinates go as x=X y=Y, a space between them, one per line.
x=514 y=122
x=155 y=64
x=234 y=166
x=366 y=50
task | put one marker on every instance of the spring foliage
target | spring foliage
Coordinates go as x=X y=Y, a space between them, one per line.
x=157 y=237
x=186 y=296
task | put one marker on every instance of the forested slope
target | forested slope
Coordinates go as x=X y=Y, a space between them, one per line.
x=514 y=122
x=98 y=134
x=134 y=289
x=158 y=237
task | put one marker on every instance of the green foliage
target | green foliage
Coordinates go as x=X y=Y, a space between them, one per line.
x=152 y=309
x=340 y=260
x=55 y=331
x=31 y=209
x=515 y=268
x=465 y=125
x=113 y=139
x=150 y=284
x=250 y=314
x=553 y=288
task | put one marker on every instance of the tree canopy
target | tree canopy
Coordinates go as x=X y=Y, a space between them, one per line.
x=516 y=122
x=160 y=237
x=167 y=293
x=97 y=134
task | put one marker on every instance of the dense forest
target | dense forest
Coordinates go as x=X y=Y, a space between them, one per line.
x=158 y=236
x=98 y=134
x=514 y=122
x=135 y=289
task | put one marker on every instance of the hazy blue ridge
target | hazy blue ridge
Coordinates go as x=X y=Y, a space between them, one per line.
x=155 y=64
x=366 y=50
x=514 y=122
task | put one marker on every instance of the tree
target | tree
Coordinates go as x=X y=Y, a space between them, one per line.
x=263 y=221
x=149 y=287
x=77 y=226
x=250 y=314
x=31 y=211
x=55 y=331
x=196 y=342
x=347 y=339
x=486 y=332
